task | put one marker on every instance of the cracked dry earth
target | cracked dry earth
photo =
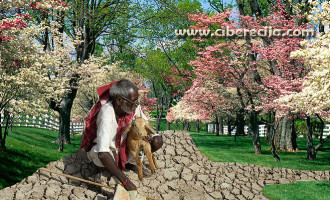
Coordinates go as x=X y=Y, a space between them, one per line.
x=184 y=173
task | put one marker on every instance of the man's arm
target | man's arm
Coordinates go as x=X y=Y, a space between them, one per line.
x=106 y=132
x=111 y=166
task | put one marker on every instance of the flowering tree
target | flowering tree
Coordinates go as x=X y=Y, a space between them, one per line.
x=17 y=55
x=47 y=69
x=205 y=102
x=314 y=97
x=259 y=68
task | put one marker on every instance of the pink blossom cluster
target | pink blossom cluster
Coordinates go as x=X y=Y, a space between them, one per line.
x=10 y=24
x=147 y=104
x=234 y=63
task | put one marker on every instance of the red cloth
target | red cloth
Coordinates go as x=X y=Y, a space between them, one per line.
x=89 y=133
x=122 y=154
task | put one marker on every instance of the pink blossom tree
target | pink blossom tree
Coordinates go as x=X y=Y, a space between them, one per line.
x=260 y=68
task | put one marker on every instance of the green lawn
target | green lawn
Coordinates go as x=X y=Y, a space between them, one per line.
x=225 y=149
x=302 y=190
x=29 y=149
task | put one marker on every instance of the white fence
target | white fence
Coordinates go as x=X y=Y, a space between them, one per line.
x=46 y=121
x=262 y=129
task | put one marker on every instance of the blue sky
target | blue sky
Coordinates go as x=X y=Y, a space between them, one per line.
x=206 y=5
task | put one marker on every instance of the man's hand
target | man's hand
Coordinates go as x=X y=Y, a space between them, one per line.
x=147 y=138
x=130 y=186
x=112 y=167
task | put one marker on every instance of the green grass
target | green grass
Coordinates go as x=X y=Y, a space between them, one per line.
x=29 y=149
x=302 y=190
x=176 y=126
x=225 y=149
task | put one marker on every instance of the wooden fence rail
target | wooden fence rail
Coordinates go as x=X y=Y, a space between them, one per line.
x=46 y=121
x=262 y=129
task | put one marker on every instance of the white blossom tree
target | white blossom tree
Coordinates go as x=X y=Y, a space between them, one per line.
x=314 y=97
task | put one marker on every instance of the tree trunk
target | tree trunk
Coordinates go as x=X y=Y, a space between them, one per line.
x=3 y=141
x=64 y=110
x=271 y=135
x=240 y=7
x=168 y=104
x=159 y=119
x=321 y=128
x=217 y=124
x=158 y=107
x=198 y=126
x=186 y=126
x=168 y=125
x=253 y=126
x=221 y=126
x=240 y=123
x=285 y=136
x=249 y=131
x=72 y=132
x=229 y=126
x=255 y=9
x=160 y=111
x=64 y=128
x=311 y=152
x=322 y=141
x=0 y=128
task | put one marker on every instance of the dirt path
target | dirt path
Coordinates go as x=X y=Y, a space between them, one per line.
x=184 y=173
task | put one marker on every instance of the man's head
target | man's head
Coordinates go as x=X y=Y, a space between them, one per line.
x=125 y=95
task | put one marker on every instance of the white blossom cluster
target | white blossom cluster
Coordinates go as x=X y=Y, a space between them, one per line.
x=53 y=5
x=30 y=76
x=9 y=4
x=182 y=112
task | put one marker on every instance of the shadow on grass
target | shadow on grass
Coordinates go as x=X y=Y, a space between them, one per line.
x=37 y=135
x=28 y=149
x=323 y=184
x=15 y=165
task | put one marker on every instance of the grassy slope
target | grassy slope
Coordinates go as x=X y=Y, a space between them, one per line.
x=27 y=150
x=225 y=149
x=311 y=190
